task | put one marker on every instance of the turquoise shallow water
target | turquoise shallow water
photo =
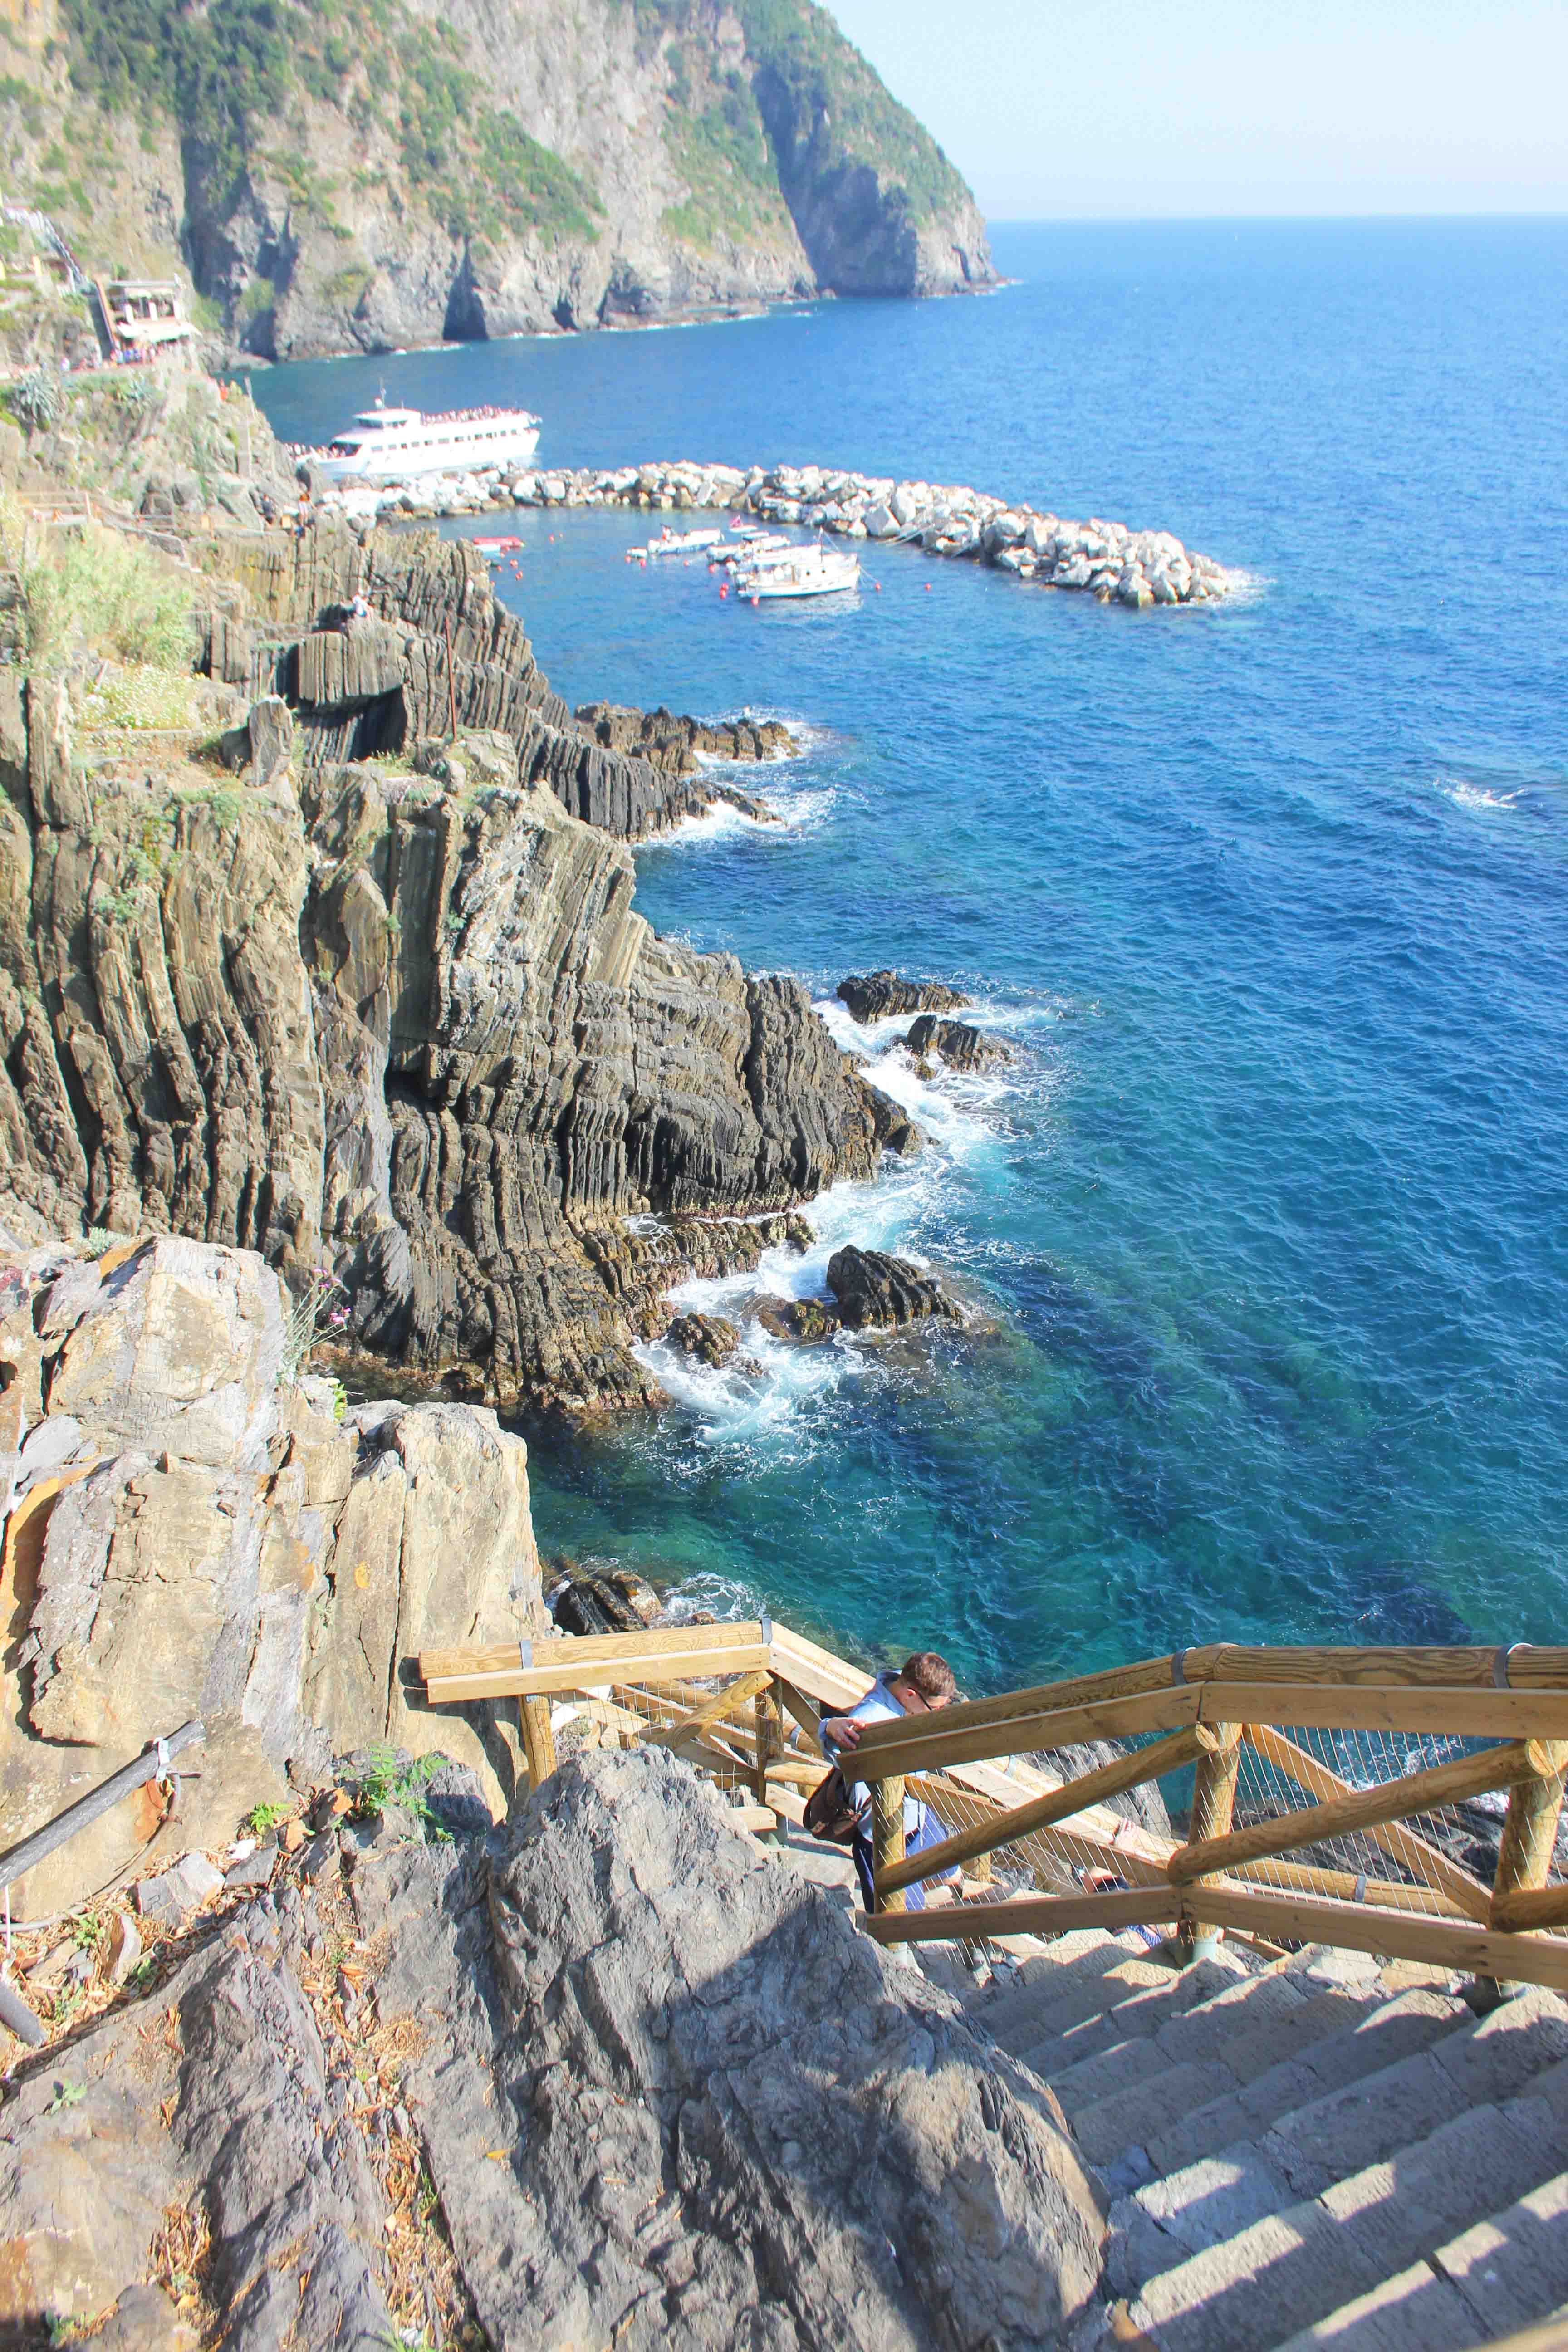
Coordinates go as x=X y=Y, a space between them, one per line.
x=1269 y=1210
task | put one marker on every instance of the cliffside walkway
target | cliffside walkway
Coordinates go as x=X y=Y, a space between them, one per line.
x=1316 y=2118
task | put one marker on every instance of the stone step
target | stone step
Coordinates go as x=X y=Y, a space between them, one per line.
x=1292 y=2269
x=1508 y=2272
x=1141 y=2013
x=1488 y=2059
x=1253 y=2025
x=1081 y=1957
x=1389 y=2033
x=1083 y=1986
x=1159 y=2225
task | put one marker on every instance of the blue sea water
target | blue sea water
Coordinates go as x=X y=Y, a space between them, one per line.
x=1270 y=1212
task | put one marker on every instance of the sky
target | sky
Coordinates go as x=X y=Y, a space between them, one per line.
x=1058 y=108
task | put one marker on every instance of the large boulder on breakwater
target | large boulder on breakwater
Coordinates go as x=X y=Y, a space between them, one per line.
x=876 y=1292
x=874 y=995
x=959 y=1043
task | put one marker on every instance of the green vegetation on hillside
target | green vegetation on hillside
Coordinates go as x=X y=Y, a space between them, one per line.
x=724 y=158
x=231 y=78
x=799 y=46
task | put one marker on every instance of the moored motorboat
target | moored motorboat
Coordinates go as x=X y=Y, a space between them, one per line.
x=806 y=571
x=670 y=543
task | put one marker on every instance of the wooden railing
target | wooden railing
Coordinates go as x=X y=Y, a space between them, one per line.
x=1377 y=1741
x=1219 y=1707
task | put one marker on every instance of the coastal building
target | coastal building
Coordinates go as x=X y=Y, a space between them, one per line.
x=145 y=313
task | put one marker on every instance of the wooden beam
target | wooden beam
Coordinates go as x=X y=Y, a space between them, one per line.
x=768 y=1719
x=1432 y=1866
x=713 y=1710
x=1462 y=1713
x=1531 y=1906
x=573 y=1666
x=1519 y=1668
x=1528 y=1839
x=924 y=1744
x=667 y=1642
x=888 y=1838
x=1442 y=1943
x=1006 y=1828
x=538 y=1740
x=833 y=1681
x=1036 y=1915
x=1154 y=1674
x=1346 y=1886
x=796 y=1704
x=1415 y=1793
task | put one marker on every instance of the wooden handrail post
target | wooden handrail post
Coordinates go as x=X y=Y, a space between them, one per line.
x=887 y=1835
x=770 y=1735
x=1528 y=1837
x=538 y=1741
x=1214 y=1802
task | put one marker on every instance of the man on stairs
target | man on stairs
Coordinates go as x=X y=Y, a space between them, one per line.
x=922 y=1685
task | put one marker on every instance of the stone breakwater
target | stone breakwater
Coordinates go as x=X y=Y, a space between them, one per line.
x=1107 y=560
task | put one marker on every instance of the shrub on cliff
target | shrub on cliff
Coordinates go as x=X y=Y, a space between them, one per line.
x=101 y=593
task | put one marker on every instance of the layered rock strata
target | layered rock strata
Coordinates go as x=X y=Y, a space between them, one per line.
x=958 y=1042
x=439 y=650
x=874 y=995
x=877 y=1292
x=190 y=1532
x=413 y=1019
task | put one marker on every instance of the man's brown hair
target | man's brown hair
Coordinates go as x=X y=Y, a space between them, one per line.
x=931 y=1674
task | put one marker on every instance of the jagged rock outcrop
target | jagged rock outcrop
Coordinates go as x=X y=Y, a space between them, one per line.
x=191 y=1534
x=876 y=1292
x=874 y=995
x=663 y=2090
x=959 y=1043
x=674 y=743
x=515 y=168
x=419 y=1020
x=360 y=687
x=798 y=1318
x=724 y=2114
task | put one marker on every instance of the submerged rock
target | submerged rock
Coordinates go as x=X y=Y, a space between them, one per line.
x=961 y=1044
x=876 y=1292
x=707 y=1336
x=872 y=996
x=798 y=1318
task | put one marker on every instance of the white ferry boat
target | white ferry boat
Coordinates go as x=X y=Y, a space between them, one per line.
x=398 y=444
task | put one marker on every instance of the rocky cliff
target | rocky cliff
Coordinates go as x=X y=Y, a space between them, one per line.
x=410 y=1018
x=372 y=173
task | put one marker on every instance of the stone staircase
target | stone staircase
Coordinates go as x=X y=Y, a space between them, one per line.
x=1322 y=2151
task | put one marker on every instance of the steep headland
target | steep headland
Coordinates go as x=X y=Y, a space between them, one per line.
x=359 y=177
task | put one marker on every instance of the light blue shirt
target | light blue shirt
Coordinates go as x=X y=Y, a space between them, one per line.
x=878 y=1706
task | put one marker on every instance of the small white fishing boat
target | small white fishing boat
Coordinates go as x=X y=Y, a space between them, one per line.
x=757 y=547
x=807 y=572
x=672 y=542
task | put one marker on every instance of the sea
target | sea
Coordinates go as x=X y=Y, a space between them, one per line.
x=1264 y=1226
